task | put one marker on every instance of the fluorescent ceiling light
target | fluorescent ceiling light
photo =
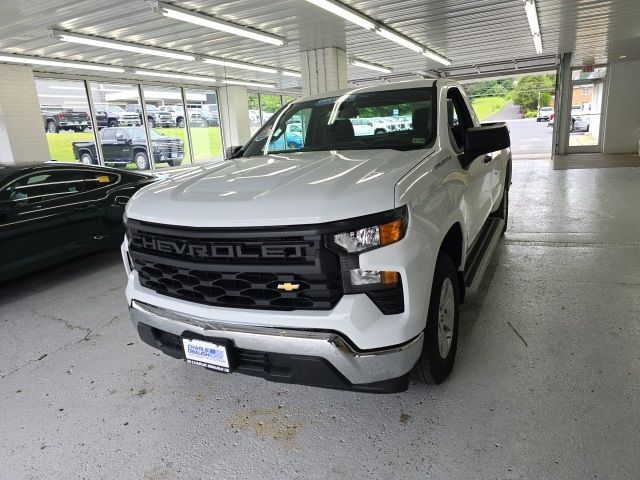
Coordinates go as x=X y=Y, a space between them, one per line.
x=400 y=40
x=438 y=58
x=244 y=66
x=57 y=63
x=249 y=84
x=289 y=73
x=344 y=12
x=216 y=24
x=532 y=17
x=55 y=95
x=370 y=66
x=180 y=76
x=117 y=45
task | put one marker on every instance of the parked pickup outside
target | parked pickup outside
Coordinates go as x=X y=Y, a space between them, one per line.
x=155 y=116
x=338 y=262
x=124 y=145
x=65 y=119
x=116 y=116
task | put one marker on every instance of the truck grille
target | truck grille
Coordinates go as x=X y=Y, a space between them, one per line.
x=266 y=270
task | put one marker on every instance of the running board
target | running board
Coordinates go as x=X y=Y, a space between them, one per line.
x=481 y=253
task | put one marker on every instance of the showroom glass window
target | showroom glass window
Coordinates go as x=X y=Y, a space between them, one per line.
x=204 y=122
x=254 y=112
x=167 y=122
x=65 y=116
x=119 y=117
x=270 y=104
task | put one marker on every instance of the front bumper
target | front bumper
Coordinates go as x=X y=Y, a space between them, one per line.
x=379 y=370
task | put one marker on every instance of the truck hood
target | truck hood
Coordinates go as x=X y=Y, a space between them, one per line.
x=278 y=189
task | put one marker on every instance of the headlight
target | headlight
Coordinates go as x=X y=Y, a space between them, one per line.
x=368 y=238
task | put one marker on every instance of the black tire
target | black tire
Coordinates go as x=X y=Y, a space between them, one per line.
x=152 y=123
x=141 y=160
x=181 y=123
x=52 y=127
x=113 y=123
x=431 y=367
x=87 y=158
x=503 y=210
x=380 y=131
x=174 y=163
x=292 y=146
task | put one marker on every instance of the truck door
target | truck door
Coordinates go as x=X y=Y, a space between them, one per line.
x=477 y=199
x=108 y=142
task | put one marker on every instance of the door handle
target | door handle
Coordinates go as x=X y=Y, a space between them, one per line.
x=120 y=200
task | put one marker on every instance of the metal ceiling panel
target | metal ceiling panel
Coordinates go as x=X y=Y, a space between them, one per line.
x=469 y=32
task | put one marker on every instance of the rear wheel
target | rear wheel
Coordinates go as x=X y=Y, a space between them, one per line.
x=86 y=158
x=174 y=163
x=52 y=127
x=113 y=123
x=441 y=332
x=142 y=161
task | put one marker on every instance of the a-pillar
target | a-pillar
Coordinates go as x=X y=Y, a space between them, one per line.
x=22 y=137
x=323 y=70
x=233 y=109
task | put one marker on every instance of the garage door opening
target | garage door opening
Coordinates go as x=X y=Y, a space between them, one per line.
x=526 y=103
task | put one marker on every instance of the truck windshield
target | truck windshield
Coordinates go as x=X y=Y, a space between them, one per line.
x=403 y=119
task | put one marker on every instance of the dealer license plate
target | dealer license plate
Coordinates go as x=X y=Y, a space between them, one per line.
x=206 y=354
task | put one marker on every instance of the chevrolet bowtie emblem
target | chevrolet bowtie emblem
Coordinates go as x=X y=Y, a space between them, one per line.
x=288 y=287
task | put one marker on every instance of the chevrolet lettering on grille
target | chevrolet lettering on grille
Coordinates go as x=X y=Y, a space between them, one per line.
x=219 y=250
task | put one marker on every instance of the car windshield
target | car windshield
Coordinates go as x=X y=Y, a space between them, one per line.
x=151 y=108
x=115 y=108
x=354 y=121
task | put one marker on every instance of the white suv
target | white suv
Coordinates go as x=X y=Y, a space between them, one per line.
x=340 y=261
x=545 y=114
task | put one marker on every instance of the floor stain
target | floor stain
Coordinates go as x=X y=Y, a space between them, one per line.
x=268 y=423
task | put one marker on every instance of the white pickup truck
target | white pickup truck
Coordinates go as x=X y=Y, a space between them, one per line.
x=339 y=260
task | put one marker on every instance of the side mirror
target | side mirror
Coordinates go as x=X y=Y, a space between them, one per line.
x=488 y=138
x=231 y=152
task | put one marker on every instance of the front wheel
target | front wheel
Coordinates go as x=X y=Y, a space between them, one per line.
x=142 y=161
x=174 y=163
x=181 y=123
x=113 y=123
x=441 y=332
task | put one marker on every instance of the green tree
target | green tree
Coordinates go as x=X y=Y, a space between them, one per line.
x=528 y=89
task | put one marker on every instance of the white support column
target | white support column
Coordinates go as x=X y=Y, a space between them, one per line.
x=562 y=107
x=323 y=70
x=22 y=137
x=234 y=115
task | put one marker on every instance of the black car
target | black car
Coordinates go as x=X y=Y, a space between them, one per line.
x=51 y=212
x=123 y=145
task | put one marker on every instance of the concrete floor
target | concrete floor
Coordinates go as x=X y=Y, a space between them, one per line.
x=545 y=386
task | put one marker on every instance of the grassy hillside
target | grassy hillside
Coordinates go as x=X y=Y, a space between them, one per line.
x=487 y=106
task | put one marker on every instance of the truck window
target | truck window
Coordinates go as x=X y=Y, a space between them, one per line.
x=109 y=134
x=459 y=119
